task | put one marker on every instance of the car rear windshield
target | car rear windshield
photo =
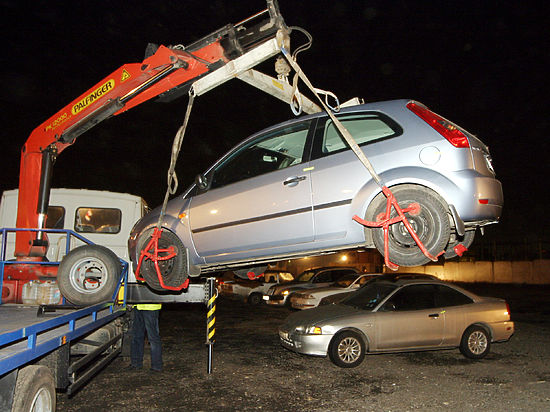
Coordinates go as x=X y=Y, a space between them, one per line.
x=369 y=296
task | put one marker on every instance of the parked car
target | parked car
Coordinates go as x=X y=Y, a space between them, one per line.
x=308 y=299
x=395 y=314
x=291 y=190
x=309 y=279
x=252 y=291
x=337 y=297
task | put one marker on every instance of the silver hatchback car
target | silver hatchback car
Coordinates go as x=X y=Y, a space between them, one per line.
x=291 y=190
x=396 y=313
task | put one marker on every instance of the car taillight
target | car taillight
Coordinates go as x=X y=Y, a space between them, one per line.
x=508 y=310
x=444 y=127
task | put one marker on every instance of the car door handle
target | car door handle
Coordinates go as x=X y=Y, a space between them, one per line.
x=434 y=315
x=293 y=181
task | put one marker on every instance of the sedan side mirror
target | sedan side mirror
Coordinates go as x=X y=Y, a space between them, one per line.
x=201 y=181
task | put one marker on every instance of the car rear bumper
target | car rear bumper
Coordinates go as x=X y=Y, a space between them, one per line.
x=480 y=200
x=502 y=331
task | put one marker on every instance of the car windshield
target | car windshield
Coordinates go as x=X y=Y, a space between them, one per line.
x=345 y=281
x=369 y=296
x=305 y=276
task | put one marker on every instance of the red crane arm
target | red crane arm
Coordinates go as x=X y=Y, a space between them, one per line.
x=167 y=72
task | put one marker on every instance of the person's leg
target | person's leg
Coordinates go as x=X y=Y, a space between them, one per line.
x=138 y=339
x=152 y=325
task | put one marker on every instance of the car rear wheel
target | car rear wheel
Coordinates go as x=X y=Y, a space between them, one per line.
x=347 y=349
x=173 y=270
x=475 y=343
x=430 y=223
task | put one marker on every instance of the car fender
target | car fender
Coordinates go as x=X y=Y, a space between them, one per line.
x=358 y=331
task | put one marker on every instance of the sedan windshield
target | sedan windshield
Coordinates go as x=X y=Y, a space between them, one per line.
x=369 y=296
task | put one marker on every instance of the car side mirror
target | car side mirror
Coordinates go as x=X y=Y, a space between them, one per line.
x=201 y=181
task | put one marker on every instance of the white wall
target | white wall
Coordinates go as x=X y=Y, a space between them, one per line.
x=536 y=272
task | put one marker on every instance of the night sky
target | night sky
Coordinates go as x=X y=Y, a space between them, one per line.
x=482 y=64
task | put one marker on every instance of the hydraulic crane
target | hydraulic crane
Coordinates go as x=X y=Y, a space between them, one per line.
x=166 y=73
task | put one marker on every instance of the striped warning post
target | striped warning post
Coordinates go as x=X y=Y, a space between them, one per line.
x=211 y=320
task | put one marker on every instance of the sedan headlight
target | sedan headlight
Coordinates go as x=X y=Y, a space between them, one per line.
x=284 y=292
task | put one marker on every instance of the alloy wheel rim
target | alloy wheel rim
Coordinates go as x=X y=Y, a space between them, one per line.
x=477 y=342
x=349 y=350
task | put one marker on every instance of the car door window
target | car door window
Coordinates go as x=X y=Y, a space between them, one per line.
x=364 y=127
x=324 y=277
x=413 y=297
x=275 y=150
x=446 y=296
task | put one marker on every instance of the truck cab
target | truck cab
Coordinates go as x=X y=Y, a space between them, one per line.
x=105 y=218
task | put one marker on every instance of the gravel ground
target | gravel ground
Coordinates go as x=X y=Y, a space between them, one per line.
x=252 y=372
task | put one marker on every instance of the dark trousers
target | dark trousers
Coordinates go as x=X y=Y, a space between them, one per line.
x=146 y=320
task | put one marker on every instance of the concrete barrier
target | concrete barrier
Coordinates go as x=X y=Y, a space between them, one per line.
x=535 y=272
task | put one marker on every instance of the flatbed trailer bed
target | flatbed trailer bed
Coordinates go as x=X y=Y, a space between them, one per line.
x=27 y=332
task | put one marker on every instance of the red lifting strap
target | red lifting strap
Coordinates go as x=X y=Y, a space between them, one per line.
x=167 y=254
x=384 y=220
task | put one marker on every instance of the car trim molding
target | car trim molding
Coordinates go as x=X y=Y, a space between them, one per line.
x=270 y=216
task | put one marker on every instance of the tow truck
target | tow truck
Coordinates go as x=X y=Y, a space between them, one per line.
x=38 y=342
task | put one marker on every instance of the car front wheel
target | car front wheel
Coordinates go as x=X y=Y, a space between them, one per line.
x=173 y=269
x=475 y=343
x=347 y=349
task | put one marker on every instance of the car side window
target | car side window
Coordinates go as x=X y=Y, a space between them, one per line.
x=275 y=150
x=446 y=296
x=324 y=277
x=413 y=297
x=364 y=127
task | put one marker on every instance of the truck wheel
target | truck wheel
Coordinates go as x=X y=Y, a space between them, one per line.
x=34 y=390
x=347 y=349
x=89 y=274
x=465 y=240
x=255 y=299
x=431 y=224
x=173 y=271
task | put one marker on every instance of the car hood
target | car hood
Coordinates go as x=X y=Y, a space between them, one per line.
x=327 y=289
x=292 y=286
x=316 y=315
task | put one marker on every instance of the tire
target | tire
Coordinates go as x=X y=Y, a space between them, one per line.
x=34 y=390
x=255 y=299
x=173 y=271
x=431 y=224
x=89 y=274
x=347 y=349
x=465 y=240
x=475 y=343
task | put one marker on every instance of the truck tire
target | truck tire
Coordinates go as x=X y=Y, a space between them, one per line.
x=431 y=224
x=89 y=274
x=34 y=390
x=173 y=271
x=255 y=299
